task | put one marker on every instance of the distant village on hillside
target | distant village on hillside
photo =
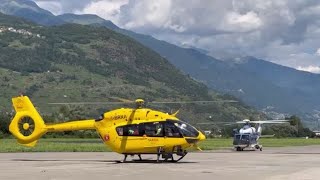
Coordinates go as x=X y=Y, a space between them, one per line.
x=19 y=31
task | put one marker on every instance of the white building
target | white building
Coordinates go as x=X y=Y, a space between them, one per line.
x=317 y=133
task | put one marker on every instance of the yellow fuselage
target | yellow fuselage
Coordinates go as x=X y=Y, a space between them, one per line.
x=136 y=144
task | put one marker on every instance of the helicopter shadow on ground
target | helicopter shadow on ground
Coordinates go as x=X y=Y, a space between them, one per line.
x=66 y=160
x=153 y=161
x=297 y=153
x=146 y=161
x=226 y=151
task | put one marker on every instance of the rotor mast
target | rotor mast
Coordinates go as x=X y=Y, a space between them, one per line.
x=139 y=103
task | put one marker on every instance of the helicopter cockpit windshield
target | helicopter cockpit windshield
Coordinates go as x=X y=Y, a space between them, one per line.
x=185 y=129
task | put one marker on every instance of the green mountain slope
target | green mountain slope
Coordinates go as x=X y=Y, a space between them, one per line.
x=76 y=63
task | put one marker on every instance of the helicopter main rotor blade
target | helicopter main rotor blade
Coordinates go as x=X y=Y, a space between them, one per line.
x=276 y=121
x=187 y=102
x=264 y=122
x=90 y=103
x=124 y=101
x=226 y=123
x=264 y=136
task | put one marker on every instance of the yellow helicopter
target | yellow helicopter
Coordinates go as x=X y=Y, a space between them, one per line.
x=128 y=131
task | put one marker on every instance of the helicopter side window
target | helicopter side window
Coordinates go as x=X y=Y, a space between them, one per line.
x=154 y=129
x=133 y=130
x=129 y=130
x=237 y=137
x=171 y=130
x=120 y=131
x=185 y=129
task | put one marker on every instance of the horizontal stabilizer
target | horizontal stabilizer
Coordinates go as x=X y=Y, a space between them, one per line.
x=32 y=144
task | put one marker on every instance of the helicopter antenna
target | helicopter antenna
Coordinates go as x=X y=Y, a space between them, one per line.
x=175 y=114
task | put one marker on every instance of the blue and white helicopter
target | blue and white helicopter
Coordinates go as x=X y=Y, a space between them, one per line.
x=247 y=137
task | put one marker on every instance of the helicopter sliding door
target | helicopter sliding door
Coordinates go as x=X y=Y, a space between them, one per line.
x=129 y=137
x=142 y=137
x=153 y=132
x=173 y=136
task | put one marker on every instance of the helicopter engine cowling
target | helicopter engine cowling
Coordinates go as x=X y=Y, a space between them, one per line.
x=250 y=130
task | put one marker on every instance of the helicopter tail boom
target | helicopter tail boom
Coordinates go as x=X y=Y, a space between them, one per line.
x=72 y=126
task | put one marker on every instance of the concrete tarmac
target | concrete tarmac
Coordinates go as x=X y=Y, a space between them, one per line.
x=292 y=163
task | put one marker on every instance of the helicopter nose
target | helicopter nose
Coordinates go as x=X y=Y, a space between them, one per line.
x=201 y=136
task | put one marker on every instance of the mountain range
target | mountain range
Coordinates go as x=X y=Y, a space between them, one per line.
x=265 y=85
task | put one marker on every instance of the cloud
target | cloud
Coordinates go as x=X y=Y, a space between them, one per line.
x=241 y=22
x=148 y=13
x=63 y=6
x=286 y=32
x=54 y=7
x=109 y=10
x=318 y=52
x=313 y=69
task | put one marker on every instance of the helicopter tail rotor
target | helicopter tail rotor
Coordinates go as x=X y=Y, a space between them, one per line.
x=27 y=125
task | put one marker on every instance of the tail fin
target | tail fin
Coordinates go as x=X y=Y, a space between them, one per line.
x=27 y=125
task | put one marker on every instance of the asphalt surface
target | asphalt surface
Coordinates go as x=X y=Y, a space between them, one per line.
x=293 y=163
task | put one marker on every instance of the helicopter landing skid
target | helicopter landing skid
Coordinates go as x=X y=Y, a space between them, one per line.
x=166 y=156
x=126 y=155
x=181 y=157
x=175 y=150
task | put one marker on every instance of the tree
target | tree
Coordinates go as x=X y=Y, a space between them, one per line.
x=301 y=130
x=294 y=121
x=5 y=119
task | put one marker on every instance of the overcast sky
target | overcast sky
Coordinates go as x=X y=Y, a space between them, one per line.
x=286 y=32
